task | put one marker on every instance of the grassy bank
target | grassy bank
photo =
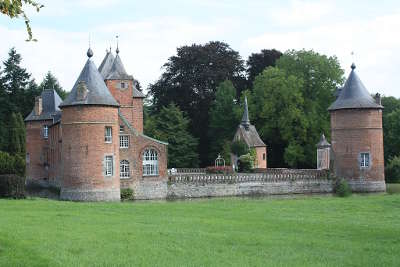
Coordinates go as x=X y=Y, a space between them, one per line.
x=316 y=231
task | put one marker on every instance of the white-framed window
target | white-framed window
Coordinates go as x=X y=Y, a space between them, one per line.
x=108 y=134
x=45 y=131
x=121 y=128
x=364 y=162
x=124 y=169
x=123 y=141
x=109 y=165
x=150 y=162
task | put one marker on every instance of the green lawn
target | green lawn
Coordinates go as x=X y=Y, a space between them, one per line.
x=307 y=231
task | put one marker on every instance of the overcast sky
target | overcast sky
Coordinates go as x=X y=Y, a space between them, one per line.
x=150 y=32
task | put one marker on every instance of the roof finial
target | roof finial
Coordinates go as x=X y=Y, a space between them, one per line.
x=245 y=118
x=353 y=66
x=117 y=50
x=89 y=53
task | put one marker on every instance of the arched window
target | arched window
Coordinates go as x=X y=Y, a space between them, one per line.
x=150 y=162
x=124 y=169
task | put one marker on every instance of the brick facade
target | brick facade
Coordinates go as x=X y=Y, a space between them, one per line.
x=356 y=131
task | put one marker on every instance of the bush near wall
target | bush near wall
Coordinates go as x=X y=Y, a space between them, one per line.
x=219 y=169
x=12 y=164
x=12 y=186
x=392 y=170
x=127 y=194
x=342 y=188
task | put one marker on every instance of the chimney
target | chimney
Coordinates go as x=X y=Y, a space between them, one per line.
x=378 y=99
x=38 y=105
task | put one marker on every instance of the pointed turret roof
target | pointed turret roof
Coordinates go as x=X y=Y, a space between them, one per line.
x=89 y=88
x=50 y=102
x=106 y=64
x=323 y=142
x=245 y=119
x=354 y=95
x=117 y=70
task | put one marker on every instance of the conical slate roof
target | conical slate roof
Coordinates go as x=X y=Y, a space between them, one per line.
x=106 y=64
x=89 y=89
x=245 y=119
x=117 y=71
x=50 y=102
x=323 y=142
x=354 y=95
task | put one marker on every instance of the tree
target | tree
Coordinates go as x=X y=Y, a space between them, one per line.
x=224 y=118
x=280 y=119
x=258 y=62
x=190 y=80
x=391 y=127
x=16 y=135
x=14 y=9
x=171 y=125
x=320 y=76
x=51 y=82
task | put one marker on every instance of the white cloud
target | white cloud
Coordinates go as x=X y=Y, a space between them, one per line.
x=375 y=43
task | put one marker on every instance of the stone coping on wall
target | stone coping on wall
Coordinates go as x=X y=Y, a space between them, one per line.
x=270 y=175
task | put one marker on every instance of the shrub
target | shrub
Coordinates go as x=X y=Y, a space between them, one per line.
x=126 y=194
x=392 y=170
x=342 y=188
x=12 y=164
x=246 y=163
x=12 y=186
x=219 y=169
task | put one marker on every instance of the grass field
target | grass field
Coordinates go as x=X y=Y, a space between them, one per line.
x=307 y=231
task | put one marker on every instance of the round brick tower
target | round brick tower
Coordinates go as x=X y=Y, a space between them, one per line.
x=357 y=137
x=90 y=148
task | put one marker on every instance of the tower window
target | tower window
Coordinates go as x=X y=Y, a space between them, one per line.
x=124 y=169
x=123 y=141
x=364 y=163
x=121 y=128
x=109 y=168
x=263 y=156
x=45 y=131
x=123 y=85
x=108 y=134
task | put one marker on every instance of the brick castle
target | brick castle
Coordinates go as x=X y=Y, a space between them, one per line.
x=92 y=144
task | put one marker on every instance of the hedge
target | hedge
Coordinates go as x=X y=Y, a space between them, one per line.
x=12 y=186
x=14 y=164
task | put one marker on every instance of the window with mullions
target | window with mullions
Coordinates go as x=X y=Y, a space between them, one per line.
x=150 y=162
x=123 y=141
x=45 y=131
x=364 y=162
x=109 y=165
x=124 y=169
x=108 y=134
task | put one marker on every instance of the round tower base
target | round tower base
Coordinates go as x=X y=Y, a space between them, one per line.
x=90 y=195
x=366 y=186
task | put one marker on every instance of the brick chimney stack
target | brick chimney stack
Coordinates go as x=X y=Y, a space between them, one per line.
x=38 y=105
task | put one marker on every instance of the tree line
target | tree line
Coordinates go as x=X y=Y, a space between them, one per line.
x=197 y=103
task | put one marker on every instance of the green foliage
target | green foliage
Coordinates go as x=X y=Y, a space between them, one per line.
x=172 y=126
x=224 y=117
x=126 y=194
x=258 y=62
x=239 y=148
x=17 y=135
x=392 y=170
x=342 y=188
x=191 y=79
x=51 y=82
x=14 y=9
x=12 y=164
x=246 y=162
x=391 y=127
x=12 y=186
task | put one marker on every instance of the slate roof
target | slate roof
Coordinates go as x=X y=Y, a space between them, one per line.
x=92 y=83
x=354 y=95
x=50 y=107
x=248 y=132
x=323 y=142
x=106 y=64
x=117 y=71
